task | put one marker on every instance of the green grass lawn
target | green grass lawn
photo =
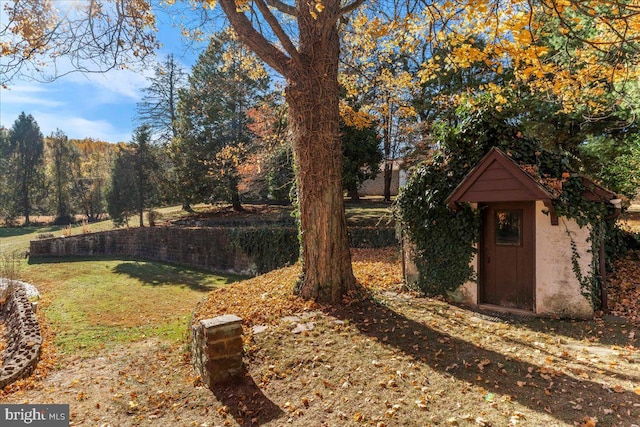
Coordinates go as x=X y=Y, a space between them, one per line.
x=91 y=304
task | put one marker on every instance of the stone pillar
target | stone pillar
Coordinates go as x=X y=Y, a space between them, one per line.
x=217 y=349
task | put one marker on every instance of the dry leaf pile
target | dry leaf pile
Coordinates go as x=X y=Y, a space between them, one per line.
x=267 y=298
x=390 y=360
x=623 y=288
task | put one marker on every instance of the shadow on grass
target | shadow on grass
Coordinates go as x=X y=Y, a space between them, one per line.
x=606 y=330
x=6 y=232
x=246 y=402
x=550 y=391
x=155 y=274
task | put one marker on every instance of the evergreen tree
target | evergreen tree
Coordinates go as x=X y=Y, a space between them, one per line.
x=145 y=170
x=212 y=121
x=62 y=155
x=121 y=197
x=6 y=202
x=133 y=179
x=26 y=148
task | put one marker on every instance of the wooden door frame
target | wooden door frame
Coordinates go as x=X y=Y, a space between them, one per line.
x=529 y=210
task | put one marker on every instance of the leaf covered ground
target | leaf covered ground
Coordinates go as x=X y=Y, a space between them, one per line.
x=391 y=359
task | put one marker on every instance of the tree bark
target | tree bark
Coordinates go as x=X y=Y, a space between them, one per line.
x=388 y=175
x=354 y=195
x=236 y=205
x=326 y=259
x=311 y=71
x=313 y=95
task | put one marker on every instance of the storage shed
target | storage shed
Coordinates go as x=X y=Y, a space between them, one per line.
x=524 y=258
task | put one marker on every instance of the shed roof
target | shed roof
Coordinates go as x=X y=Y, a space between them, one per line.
x=497 y=178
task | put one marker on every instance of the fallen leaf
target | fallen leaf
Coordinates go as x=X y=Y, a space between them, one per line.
x=589 y=422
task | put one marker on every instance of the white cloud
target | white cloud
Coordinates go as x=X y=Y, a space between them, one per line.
x=112 y=86
x=79 y=127
x=28 y=95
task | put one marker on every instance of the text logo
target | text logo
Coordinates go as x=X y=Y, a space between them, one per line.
x=34 y=415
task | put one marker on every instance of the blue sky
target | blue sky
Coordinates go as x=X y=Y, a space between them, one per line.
x=100 y=106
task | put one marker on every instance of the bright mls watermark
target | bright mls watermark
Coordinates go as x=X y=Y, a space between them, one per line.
x=34 y=415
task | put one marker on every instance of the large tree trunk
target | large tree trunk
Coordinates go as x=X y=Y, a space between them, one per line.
x=388 y=175
x=26 y=205
x=386 y=141
x=235 y=195
x=312 y=96
x=311 y=71
x=326 y=260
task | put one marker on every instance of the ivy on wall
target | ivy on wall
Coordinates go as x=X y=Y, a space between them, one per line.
x=275 y=247
x=269 y=247
x=445 y=240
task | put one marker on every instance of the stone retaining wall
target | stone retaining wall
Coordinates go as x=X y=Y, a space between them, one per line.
x=24 y=341
x=207 y=248
x=216 y=249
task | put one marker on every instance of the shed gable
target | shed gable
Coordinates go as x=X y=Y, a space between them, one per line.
x=497 y=178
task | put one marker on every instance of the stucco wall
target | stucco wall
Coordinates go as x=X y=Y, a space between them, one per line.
x=557 y=288
x=375 y=187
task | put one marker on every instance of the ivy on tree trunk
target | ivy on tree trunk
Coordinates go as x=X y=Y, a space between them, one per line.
x=311 y=72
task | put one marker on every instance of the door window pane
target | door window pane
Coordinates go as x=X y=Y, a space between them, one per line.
x=508 y=227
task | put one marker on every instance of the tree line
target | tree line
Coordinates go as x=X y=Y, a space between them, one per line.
x=51 y=175
x=218 y=133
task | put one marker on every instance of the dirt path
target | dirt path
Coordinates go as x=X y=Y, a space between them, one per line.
x=146 y=383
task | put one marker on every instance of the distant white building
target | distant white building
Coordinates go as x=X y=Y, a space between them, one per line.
x=375 y=187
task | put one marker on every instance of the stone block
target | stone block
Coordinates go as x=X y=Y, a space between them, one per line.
x=217 y=349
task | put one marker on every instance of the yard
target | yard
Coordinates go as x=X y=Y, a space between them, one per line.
x=384 y=358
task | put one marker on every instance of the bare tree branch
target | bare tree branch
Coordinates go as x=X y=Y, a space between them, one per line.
x=278 y=30
x=351 y=7
x=282 y=7
x=256 y=41
x=93 y=36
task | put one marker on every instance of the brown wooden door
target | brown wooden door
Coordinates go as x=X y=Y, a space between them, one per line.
x=507 y=270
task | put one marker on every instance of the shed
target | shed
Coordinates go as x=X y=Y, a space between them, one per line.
x=524 y=257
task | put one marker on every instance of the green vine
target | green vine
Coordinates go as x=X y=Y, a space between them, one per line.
x=273 y=247
x=590 y=284
x=445 y=240
x=269 y=247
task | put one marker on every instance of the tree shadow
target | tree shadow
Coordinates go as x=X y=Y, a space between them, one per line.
x=34 y=260
x=6 y=232
x=547 y=326
x=605 y=330
x=540 y=387
x=246 y=402
x=156 y=274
